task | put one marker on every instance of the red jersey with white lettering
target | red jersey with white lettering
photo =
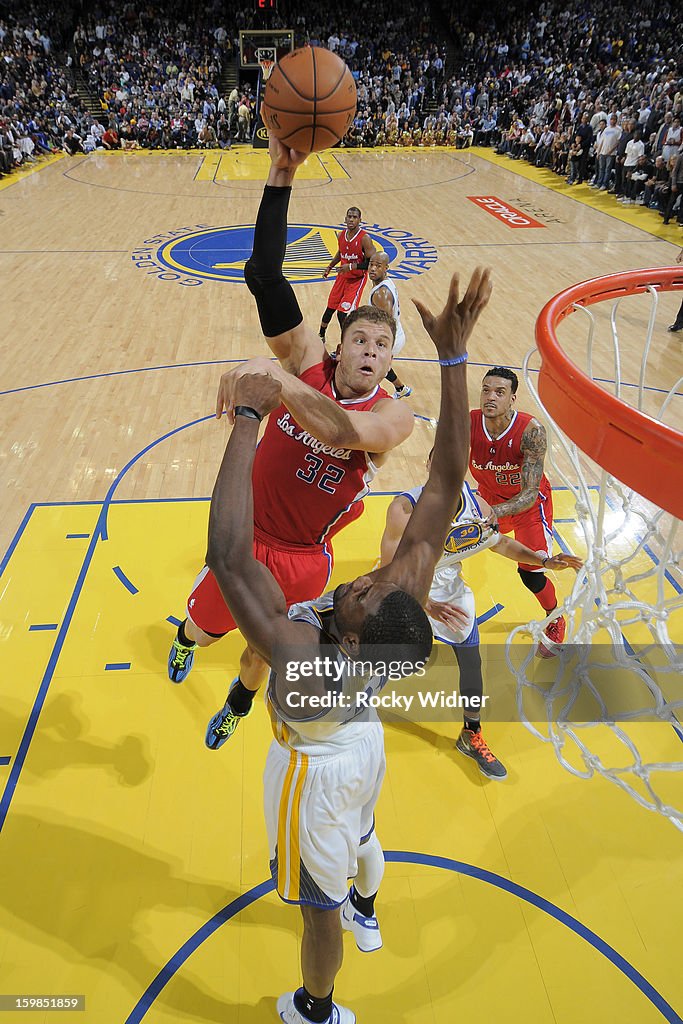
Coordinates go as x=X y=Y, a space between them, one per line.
x=351 y=251
x=306 y=491
x=347 y=290
x=496 y=464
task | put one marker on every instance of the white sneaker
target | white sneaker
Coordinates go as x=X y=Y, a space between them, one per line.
x=290 y=1015
x=403 y=392
x=365 y=929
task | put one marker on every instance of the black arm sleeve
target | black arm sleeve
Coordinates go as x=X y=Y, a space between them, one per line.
x=277 y=306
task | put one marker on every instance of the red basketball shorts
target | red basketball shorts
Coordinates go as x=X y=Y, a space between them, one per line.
x=533 y=528
x=302 y=572
x=346 y=292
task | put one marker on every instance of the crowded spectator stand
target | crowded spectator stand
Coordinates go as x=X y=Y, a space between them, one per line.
x=559 y=87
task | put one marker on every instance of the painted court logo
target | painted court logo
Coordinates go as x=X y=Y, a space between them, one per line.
x=191 y=256
x=504 y=212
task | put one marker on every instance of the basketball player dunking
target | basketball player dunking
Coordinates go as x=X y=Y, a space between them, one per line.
x=384 y=295
x=506 y=459
x=319 y=452
x=353 y=255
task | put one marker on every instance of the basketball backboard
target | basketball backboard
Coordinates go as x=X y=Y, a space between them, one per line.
x=251 y=40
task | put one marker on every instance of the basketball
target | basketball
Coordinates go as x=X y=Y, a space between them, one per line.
x=310 y=99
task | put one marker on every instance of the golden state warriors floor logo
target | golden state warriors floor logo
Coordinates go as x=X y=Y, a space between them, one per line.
x=192 y=256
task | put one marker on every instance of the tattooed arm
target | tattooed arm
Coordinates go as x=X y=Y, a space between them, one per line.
x=534 y=445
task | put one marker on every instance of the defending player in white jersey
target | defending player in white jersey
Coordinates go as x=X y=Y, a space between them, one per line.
x=324 y=771
x=450 y=606
x=384 y=295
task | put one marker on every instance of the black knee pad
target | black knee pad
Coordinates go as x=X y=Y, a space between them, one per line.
x=533 y=581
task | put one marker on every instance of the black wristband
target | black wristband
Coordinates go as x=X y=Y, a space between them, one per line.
x=246 y=410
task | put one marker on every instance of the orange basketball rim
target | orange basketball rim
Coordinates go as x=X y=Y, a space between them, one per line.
x=633 y=447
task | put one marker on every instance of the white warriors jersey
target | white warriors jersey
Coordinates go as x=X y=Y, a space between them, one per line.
x=396 y=313
x=329 y=730
x=467 y=535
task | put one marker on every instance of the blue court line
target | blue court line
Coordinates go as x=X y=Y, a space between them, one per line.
x=119 y=373
x=99 y=533
x=558 y=538
x=42 y=625
x=221 y=362
x=174 y=622
x=188 y=948
x=120 y=501
x=481 y=619
x=120 y=575
x=102 y=522
x=183 y=954
x=77 y=536
x=17 y=537
x=5 y=760
x=667 y=575
x=117 y=666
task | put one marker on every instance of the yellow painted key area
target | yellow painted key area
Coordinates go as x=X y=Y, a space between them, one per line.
x=126 y=836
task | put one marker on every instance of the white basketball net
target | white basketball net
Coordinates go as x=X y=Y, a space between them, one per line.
x=266 y=59
x=620 y=611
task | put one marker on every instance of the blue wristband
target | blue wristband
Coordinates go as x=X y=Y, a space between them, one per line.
x=453 y=362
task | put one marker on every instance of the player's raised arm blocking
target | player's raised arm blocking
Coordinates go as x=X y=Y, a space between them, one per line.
x=422 y=542
x=256 y=601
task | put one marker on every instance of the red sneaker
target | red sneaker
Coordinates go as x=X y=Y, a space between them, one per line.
x=555 y=633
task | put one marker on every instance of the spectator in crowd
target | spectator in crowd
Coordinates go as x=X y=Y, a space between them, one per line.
x=676 y=189
x=605 y=152
x=72 y=143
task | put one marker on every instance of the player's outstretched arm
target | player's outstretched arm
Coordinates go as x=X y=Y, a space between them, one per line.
x=398 y=516
x=422 y=543
x=378 y=431
x=251 y=592
x=508 y=547
x=289 y=339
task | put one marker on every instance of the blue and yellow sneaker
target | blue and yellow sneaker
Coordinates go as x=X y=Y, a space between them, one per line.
x=180 y=660
x=223 y=724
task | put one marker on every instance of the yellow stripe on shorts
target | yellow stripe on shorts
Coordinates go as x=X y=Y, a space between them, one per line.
x=295 y=854
x=288 y=827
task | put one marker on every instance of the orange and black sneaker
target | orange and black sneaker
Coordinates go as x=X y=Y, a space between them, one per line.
x=553 y=636
x=472 y=744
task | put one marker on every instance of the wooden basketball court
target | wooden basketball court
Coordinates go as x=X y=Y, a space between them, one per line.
x=133 y=861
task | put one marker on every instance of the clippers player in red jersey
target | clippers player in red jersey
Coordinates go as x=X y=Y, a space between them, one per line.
x=507 y=449
x=318 y=454
x=353 y=255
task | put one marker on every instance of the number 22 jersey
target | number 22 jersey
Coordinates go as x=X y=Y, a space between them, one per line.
x=496 y=463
